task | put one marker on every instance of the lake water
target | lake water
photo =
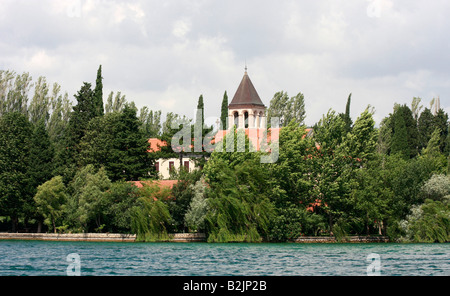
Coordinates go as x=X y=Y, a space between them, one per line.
x=40 y=258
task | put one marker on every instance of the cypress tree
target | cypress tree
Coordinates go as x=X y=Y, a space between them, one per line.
x=347 y=118
x=98 y=93
x=425 y=127
x=441 y=122
x=200 y=106
x=224 y=111
x=42 y=153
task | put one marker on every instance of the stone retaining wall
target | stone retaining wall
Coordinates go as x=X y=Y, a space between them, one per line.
x=349 y=239
x=188 y=237
x=96 y=237
x=175 y=237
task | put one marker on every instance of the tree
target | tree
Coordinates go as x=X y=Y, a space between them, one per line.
x=92 y=199
x=329 y=132
x=14 y=91
x=399 y=144
x=385 y=136
x=425 y=127
x=42 y=154
x=372 y=198
x=405 y=134
x=116 y=142
x=120 y=200
x=40 y=104
x=240 y=209
x=182 y=192
x=437 y=188
x=361 y=142
x=428 y=223
x=286 y=108
x=198 y=207
x=150 y=219
x=346 y=116
x=116 y=104
x=16 y=191
x=50 y=199
x=82 y=113
x=98 y=94
x=150 y=122
x=416 y=107
x=61 y=108
x=224 y=112
x=441 y=122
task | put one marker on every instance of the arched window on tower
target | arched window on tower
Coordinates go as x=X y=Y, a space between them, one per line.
x=236 y=119
x=246 y=119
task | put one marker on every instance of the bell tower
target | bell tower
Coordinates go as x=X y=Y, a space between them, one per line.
x=246 y=110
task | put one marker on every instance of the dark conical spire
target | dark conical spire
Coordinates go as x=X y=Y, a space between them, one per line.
x=246 y=93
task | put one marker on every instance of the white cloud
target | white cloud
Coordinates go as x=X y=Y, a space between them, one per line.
x=181 y=28
x=164 y=54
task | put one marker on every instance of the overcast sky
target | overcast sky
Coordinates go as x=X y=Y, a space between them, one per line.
x=164 y=54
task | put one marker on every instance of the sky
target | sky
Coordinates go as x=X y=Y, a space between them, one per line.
x=165 y=54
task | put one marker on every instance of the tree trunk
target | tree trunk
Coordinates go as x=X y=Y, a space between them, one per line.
x=54 y=226
x=14 y=224
x=39 y=228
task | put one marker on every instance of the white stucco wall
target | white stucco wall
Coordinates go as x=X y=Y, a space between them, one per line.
x=164 y=164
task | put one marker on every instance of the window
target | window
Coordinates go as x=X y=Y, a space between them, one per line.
x=171 y=166
x=157 y=166
x=246 y=119
x=186 y=165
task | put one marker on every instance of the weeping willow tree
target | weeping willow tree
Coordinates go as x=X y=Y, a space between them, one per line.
x=239 y=209
x=151 y=217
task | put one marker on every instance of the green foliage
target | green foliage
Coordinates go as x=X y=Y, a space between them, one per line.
x=330 y=131
x=98 y=94
x=437 y=188
x=240 y=209
x=361 y=142
x=16 y=186
x=121 y=198
x=92 y=199
x=428 y=223
x=150 y=122
x=405 y=137
x=116 y=142
x=151 y=218
x=292 y=221
x=115 y=103
x=287 y=108
x=14 y=90
x=51 y=201
x=224 y=112
x=198 y=208
x=346 y=116
x=183 y=192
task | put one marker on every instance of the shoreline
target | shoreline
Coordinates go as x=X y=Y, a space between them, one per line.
x=174 y=237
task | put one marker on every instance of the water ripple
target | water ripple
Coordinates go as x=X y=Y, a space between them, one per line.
x=49 y=258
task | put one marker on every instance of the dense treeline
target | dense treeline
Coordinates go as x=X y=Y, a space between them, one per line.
x=66 y=168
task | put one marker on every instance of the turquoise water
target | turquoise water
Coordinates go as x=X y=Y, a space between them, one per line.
x=38 y=258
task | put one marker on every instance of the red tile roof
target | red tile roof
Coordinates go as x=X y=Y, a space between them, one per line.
x=160 y=183
x=156 y=144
